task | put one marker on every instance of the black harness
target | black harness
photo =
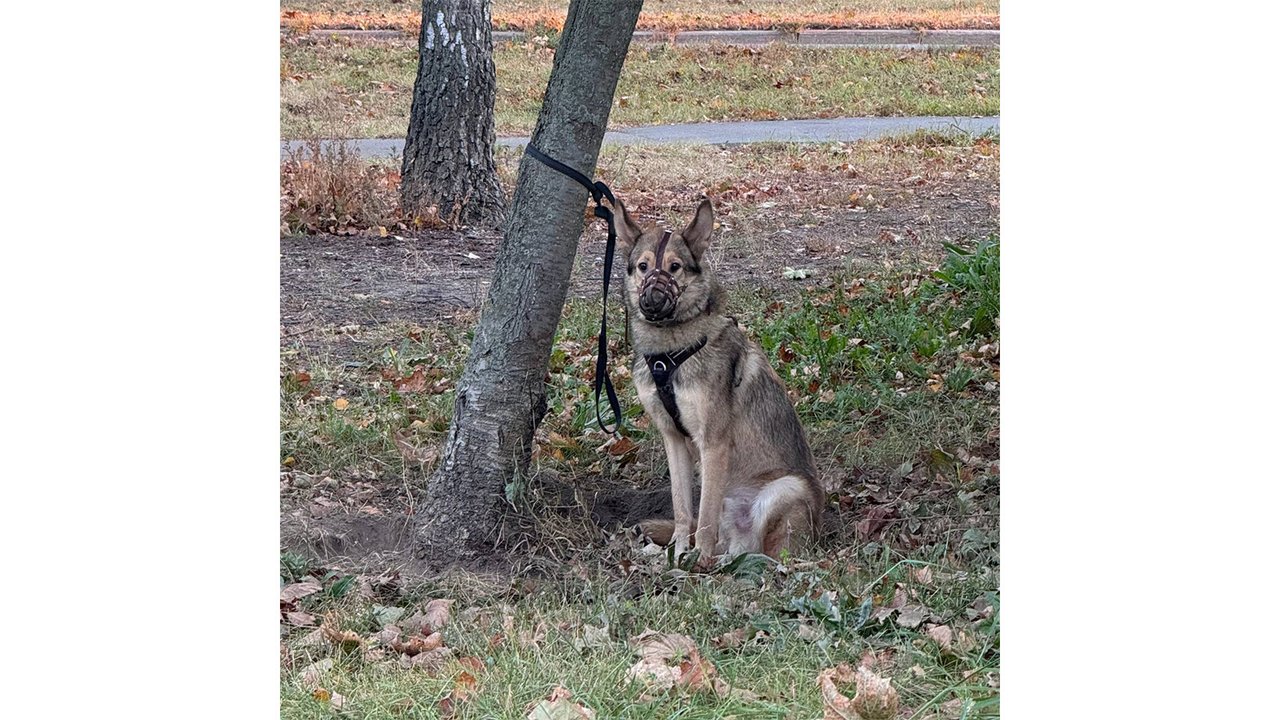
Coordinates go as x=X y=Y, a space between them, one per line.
x=662 y=367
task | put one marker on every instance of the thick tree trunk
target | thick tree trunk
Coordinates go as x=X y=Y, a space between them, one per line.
x=501 y=397
x=448 y=153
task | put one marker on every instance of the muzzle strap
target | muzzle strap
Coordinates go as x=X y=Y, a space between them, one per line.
x=598 y=191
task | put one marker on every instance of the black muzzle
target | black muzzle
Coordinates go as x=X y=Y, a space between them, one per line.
x=659 y=292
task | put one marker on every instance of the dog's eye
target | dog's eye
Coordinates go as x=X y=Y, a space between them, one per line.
x=644 y=267
x=675 y=266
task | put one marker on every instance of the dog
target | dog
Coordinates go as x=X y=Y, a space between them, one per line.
x=712 y=394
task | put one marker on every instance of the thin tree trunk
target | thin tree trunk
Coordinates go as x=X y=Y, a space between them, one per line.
x=448 y=154
x=501 y=397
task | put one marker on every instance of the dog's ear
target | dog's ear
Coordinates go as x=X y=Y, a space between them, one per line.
x=628 y=231
x=698 y=235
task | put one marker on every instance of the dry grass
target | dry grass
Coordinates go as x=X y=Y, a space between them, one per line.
x=343 y=88
x=758 y=188
x=331 y=189
x=668 y=16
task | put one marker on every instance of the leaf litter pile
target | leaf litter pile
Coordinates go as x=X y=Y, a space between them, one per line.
x=893 y=362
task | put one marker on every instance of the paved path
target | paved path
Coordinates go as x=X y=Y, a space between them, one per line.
x=873 y=39
x=737 y=133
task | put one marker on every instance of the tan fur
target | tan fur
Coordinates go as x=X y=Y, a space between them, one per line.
x=759 y=483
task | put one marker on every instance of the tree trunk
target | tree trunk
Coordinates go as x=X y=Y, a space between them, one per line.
x=448 y=153
x=501 y=396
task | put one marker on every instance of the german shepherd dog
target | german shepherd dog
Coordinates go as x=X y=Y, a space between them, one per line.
x=716 y=400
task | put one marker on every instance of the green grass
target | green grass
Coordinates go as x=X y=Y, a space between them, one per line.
x=357 y=89
x=796 y=624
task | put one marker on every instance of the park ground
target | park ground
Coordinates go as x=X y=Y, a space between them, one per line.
x=869 y=274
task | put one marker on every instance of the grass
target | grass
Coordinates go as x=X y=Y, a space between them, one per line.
x=759 y=190
x=778 y=666
x=895 y=374
x=668 y=14
x=338 y=87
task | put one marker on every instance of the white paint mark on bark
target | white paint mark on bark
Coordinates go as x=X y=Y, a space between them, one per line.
x=431 y=36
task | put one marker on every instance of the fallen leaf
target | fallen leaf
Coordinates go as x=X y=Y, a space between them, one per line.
x=313 y=673
x=560 y=706
x=301 y=619
x=691 y=672
x=875 y=518
x=413 y=453
x=912 y=615
x=730 y=640
x=940 y=634
x=618 y=446
x=876 y=698
x=592 y=637
x=344 y=640
x=299 y=590
x=464 y=686
x=923 y=575
x=437 y=613
x=415 y=645
x=835 y=704
x=414 y=382
x=430 y=661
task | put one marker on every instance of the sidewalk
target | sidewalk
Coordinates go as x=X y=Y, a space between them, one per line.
x=735 y=133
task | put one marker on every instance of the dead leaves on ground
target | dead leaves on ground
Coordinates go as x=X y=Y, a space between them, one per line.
x=671 y=661
x=294 y=592
x=876 y=698
x=559 y=705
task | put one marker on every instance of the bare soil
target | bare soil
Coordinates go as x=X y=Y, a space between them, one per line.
x=328 y=281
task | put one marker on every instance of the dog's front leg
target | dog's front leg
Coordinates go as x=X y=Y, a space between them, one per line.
x=680 y=462
x=715 y=478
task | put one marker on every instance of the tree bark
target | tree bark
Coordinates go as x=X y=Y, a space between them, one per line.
x=448 y=153
x=501 y=396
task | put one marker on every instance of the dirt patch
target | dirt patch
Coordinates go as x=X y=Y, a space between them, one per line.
x=327 y=282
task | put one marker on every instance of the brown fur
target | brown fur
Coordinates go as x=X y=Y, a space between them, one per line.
x=759 y=482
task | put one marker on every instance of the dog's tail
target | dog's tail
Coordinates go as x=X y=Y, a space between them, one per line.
x=658 y=530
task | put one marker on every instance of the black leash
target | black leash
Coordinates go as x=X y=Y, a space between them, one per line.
x=598 y=191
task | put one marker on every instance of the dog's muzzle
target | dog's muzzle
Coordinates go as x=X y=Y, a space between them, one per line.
x=658 y=295
x=659 y=292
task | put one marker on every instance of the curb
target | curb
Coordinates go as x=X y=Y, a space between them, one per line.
x=729 y=133
x=874 y=39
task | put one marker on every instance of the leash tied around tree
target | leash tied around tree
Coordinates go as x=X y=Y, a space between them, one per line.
x=598 y=191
